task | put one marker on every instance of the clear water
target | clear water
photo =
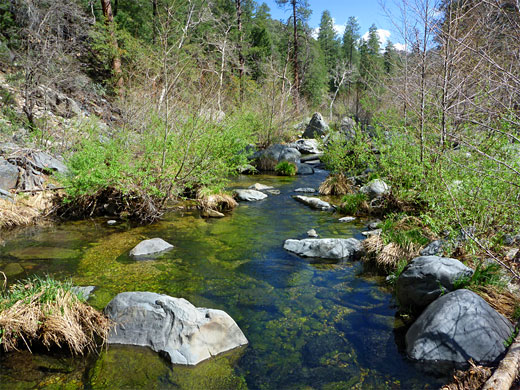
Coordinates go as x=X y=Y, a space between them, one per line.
x=311 y=324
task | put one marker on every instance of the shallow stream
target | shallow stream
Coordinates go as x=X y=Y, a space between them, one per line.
x=311 y=324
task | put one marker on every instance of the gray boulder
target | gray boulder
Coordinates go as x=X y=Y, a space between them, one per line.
x=316 y=127
x=304 y=169
x=289 y=154
x=250 y=195
x=150 y=247
x=348 y=127
x=428 y=277
x=315 y=203
x=375 y=188
x=325 y=248
x=84 y=291
x=45 y=162
x=8 y=175
x=432 y=249
x=457 y=327
x=268 y=158
x=172 y=326
x=306 y=146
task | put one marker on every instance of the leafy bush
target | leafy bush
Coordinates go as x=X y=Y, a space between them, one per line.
x=285 y=168
x=351 y=203
x=484 y=275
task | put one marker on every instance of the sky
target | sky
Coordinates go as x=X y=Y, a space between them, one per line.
x=367 y=12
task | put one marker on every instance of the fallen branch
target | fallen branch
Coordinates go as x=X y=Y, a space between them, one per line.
x=507 y=370
x=40 y=190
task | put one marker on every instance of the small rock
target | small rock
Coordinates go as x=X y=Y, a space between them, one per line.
x=347 y=219
x=311 y=157
x=260 y=187
x=112 y=222
x=273 y=192
x=512 y=254
x=304 y=169
x=315 y=203
x=84 y=291
x=312 y=233
x=374 y=224
x=370 y=233
x=306 y=190
x=325 y=248
x=307 y=146
x=510 y=240
x=375 y=188
x=432 y=249
x=250 y=195
x=150 y=247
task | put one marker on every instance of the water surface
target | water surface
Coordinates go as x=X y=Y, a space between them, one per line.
x=311 y=324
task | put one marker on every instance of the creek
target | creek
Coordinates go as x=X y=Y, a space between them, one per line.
x=311 y=324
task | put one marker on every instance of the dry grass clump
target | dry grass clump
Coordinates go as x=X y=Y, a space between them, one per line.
x=388 y=256
x=25 y=211
x=218 y=202
x=471 y=379
x=336 y=184
x=49 y=312
x=501 y=300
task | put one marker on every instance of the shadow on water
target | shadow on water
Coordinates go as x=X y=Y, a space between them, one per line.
x=311 y=324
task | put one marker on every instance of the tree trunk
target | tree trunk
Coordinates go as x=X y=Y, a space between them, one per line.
x=295 y=56
x=241 y=68
x=154 y=21
x=116 y=60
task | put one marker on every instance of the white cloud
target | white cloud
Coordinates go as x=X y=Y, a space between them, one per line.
x=401 y=46
x=382 y=34
x=340 y=29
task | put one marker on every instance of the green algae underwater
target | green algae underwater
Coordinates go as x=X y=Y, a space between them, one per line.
x=311 y=324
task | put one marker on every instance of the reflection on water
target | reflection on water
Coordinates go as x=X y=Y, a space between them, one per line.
x=311 y=324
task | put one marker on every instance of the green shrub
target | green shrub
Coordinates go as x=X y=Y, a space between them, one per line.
x=351 y=203
x=484 y=275
x=286 y=168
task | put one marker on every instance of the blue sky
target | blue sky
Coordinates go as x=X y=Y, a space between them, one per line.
x=366 y=11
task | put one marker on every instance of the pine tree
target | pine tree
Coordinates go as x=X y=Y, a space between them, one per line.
x=350 y=41
x=328 y=41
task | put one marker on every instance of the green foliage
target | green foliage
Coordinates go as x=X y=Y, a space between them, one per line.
x=285 y=168
x=351 y=156
x=394 y=275
x=403 y=231
x=351 y=203
x=489 y=274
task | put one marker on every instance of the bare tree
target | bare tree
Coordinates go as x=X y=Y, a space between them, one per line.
x=116 y=58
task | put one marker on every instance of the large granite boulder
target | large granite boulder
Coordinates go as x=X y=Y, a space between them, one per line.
x=306 y=146
x=428 y=277
x=315 y=203
x=457 y=327
x=8 y=175
x=249 y=195
x=266 y=160
x=150 y=247
x=316 y=127
x=172 y=326
x=375 y=188
x=325 y=248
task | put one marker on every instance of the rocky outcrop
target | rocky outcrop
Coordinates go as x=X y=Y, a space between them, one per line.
x=375 y=188
x=316 y=127
x=150 y=247
x=428 y=277
x=249 y=195
x=457 y=327
x=171 y=326
x=315 y=203
x=325 y=248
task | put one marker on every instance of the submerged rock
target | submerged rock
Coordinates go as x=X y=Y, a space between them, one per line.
x=457 y=327
x=315 y=203
x=325 y=248
x=150 y=247
x=210 y=213
x=260 y=187
x=428 y=277
x=172 y=326
x=305 y=190
x=250 y=195
x=347 y=219
x=84 y=291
